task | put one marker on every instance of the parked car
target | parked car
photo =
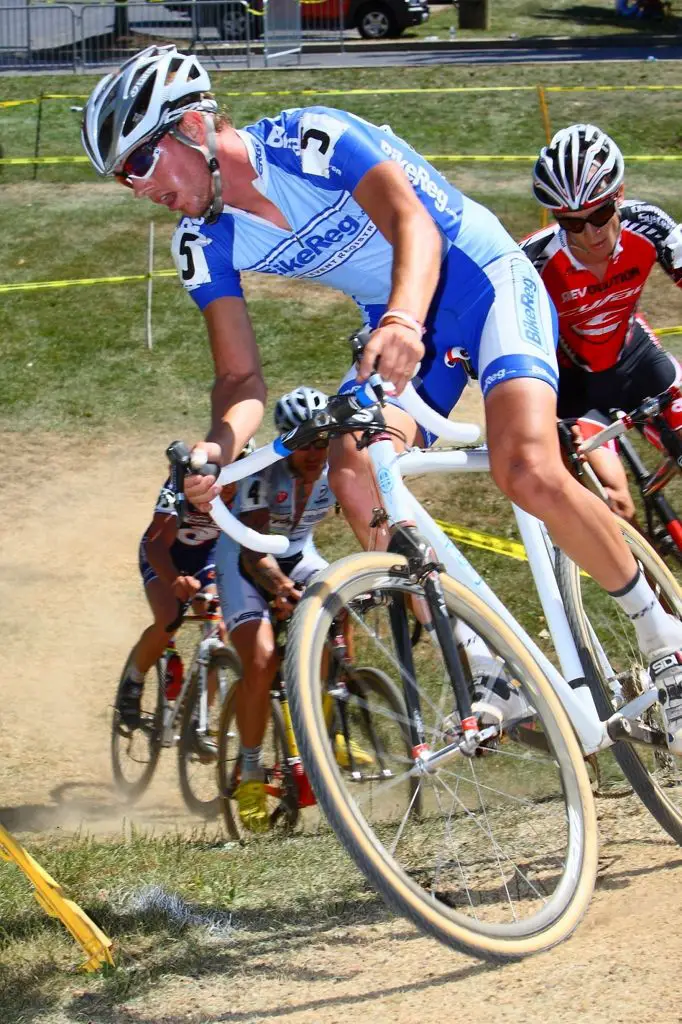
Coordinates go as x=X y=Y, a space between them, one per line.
x=374 y=19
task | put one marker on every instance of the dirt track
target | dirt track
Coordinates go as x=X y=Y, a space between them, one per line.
x=71 y=606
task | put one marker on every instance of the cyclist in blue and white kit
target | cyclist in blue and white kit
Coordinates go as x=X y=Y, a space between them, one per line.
x=290 y=498
x=319 y=193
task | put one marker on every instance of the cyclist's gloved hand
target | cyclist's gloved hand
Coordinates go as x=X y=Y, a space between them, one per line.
x=185 y=587
x=200 y=490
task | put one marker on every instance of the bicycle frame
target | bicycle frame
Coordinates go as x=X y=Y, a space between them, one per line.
x=202 y=654
x=402 y=506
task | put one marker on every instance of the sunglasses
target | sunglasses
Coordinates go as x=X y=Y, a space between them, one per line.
x=576 y=225
x=320 y=445
x=141 y=162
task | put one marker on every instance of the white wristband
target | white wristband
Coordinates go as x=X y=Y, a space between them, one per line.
x=404 y=317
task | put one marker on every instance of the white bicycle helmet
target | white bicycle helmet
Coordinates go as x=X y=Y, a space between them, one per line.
x=298 y=406
x=581 y=167
x=143 y=99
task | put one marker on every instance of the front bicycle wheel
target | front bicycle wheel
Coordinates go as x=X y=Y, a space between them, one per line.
x=617 y=672
x=502 y=858
x=198 y=743
x=135 y=750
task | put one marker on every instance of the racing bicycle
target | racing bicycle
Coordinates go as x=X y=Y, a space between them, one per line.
x=366 y=724
x=661 y=522
x=187 y=721
x=500 y=858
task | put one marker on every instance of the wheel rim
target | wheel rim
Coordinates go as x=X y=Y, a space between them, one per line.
x=376 y=24
x=612 y=644
x=526 y=877
x=234 y=25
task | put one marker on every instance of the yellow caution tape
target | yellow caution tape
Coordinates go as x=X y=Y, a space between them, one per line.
x=51 y=898
x=29 y=286
x=15 y=103
x=389 y=92
x=22 y=160
x=610 y=88
x=662 y=331
x=484 y=541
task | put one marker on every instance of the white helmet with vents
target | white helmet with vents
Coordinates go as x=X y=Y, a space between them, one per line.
x=298 y=406
x=581 y=167
x=151 y=91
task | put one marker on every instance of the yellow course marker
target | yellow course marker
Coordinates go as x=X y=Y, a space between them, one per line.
x=484 y=541
x=51 y=898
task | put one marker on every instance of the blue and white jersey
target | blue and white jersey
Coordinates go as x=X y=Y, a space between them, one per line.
x=275 y=490
x=308 y=161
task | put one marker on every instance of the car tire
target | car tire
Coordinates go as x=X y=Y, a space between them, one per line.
x=232 y=24
x=374 y=21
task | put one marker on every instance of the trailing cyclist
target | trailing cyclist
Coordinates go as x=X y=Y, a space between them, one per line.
x=594 y=262
x=320 y=193
x=176 y=563
x=290 y=498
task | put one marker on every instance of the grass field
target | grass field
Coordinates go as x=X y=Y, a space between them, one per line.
x=74 y=362
x=525 y=19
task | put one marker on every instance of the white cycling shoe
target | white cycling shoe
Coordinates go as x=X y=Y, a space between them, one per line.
x=665 y=670
x=498 y=701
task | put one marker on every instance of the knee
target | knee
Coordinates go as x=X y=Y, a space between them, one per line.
x=532 y=477
x=348 y=472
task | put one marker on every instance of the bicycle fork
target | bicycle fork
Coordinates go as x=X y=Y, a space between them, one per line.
x=423 y=567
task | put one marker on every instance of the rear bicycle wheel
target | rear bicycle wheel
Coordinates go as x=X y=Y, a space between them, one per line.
x=281 y=788
x=198 y=743
x=616 y=672
x=135 y=751
x=501 y=862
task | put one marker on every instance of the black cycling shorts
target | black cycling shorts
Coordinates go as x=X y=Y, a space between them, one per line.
x=645 y=370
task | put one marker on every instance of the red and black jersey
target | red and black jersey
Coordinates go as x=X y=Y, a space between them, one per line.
x=596 y=318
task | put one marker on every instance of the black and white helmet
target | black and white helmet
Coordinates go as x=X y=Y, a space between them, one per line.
x=581 y=167
x=298 y=406
x=151 y=91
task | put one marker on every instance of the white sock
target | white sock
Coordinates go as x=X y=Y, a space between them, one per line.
x=655 y=628
x=251 y=765
x=470 y=642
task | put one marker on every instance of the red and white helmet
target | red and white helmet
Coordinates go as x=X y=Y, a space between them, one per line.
x=151 y=91
x=581 y=167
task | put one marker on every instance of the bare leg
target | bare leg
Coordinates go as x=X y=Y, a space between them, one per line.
x=526 y=464
x=154 y=640
x=254 y=642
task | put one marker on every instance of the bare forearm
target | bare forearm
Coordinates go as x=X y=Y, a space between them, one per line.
x=417 y=254
x=160 y=560
x=264 y=570
x=237 y=406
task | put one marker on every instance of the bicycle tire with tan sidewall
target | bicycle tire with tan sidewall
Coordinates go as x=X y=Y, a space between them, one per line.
x=652 y=795
x=365 y=572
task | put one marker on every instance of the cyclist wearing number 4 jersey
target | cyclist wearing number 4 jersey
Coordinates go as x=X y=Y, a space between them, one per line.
x=317 y=192
x=290 y=498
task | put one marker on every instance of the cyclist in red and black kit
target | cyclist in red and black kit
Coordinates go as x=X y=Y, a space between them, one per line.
x=594 y=262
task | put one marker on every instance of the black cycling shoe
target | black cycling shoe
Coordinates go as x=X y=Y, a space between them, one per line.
x=128 y=706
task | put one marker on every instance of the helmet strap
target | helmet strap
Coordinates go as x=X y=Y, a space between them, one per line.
x=215 y=207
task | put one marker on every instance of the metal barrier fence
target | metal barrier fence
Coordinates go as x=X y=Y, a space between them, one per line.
x=225 y=33
x=36 y=37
